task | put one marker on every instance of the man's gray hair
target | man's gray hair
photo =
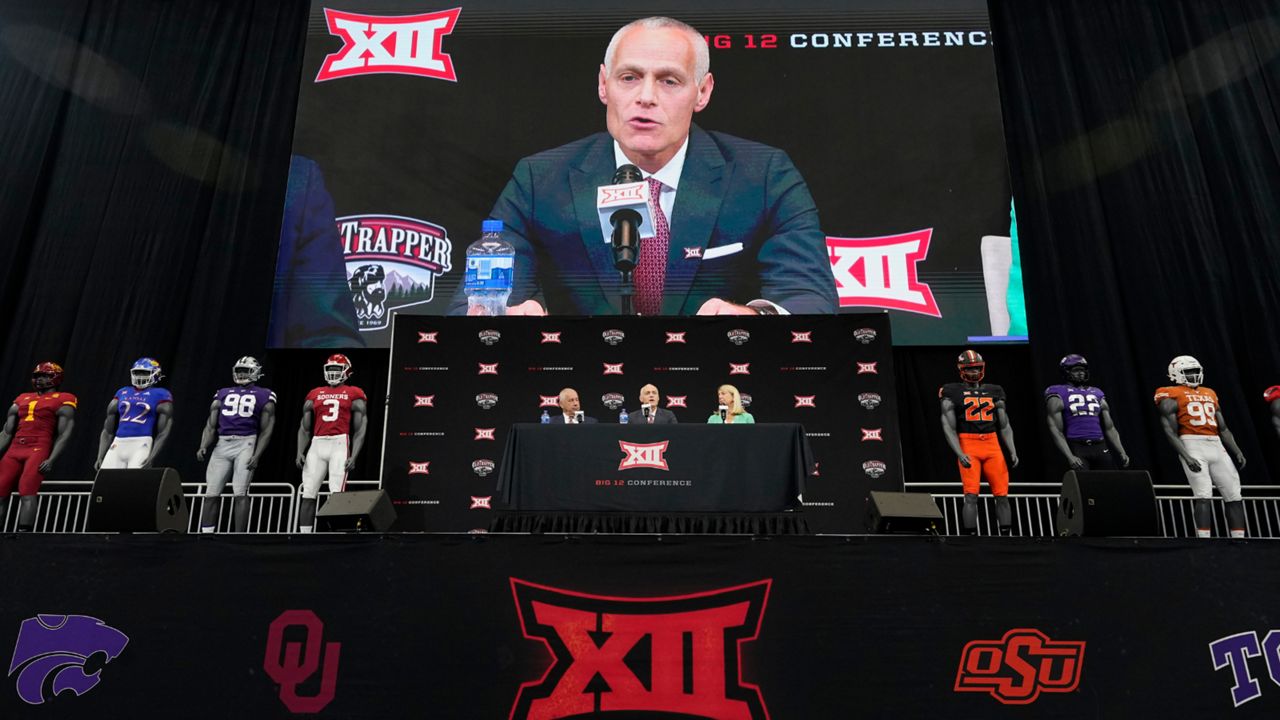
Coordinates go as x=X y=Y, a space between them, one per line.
x=701 y=55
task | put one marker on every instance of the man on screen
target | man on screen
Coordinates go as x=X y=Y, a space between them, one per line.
x=736 y=230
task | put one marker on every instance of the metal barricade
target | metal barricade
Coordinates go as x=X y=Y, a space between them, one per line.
x=271 y=508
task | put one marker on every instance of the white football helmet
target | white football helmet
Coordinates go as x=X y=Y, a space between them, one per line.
x=1186 y=370
x=246 y=370
x=145 y=373
x=337 y=369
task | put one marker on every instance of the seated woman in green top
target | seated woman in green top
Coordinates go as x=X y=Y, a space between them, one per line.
x=731 y=400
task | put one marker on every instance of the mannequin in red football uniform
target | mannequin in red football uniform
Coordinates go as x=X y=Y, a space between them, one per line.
x=38 y=425
x=330 y=437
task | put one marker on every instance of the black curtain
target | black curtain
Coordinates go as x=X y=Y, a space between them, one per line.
x=1144 y=145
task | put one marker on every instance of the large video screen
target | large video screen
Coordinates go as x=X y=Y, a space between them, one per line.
x=838 y=156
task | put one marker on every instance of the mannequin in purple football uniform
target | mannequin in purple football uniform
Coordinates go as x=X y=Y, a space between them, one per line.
x=1080 y=420
x=242 y=417
x=139 y=418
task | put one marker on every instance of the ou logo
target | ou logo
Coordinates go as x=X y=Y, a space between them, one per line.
x=292 y=663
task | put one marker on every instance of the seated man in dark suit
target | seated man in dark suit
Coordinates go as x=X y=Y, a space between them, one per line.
x=737 y=231
x=570 y=410
x=654 y=415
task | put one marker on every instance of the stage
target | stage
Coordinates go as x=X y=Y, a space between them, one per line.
x=496 y=626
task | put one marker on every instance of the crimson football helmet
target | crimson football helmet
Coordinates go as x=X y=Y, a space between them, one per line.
x=1272 y=394
x=145 y=373
x=971 y=366
x=46 y=376
x=1186 y=370
x=337 y=369
x=1075 y=369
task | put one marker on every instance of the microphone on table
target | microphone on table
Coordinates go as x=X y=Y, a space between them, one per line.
x=647 y=410
x=724 y=413
x=625 y=217
x=578 y=416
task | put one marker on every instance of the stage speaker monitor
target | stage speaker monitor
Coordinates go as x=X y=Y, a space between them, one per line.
x=138 y=500
x=1108 y=503
x=356 y=510
x=897 y=512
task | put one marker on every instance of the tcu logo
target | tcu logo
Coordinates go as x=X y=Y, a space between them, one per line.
x=869 y=400
x=489 y=337
x=872 y=434
x=643 y=455
x=867 y=368
x=53 y=650
x=424 y=400
x=400 y=45
x=881 y=272
x=488 y=369
x=427 y=337
x=548 y=401
x=739 y=369
x=801 y=337
x=1019 y=666
x=481 y=503
x=1234 y=651
x=806 y=401
x=299 y=661
x=675 y=337
x=613 y=368
x=874 y=469
x=485 y=433
x=419 y=468
x=598 y=678
x=677 y=401
x=550 y=337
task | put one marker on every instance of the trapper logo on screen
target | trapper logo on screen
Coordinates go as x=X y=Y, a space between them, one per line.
x=1019 y=666
x=392 y=263
x=483 y=467
x=393 y=44
x=487 y=400
x=883 y=272
x=643 y=455
x=489 y=337
x=874 y=469
x=869 y=400
x=1234 y=651
x=738 y=336
x=54 y=652
x=634 y=657
x=299 y=661
x=613 y=400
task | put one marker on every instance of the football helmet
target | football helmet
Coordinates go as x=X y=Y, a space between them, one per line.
x=46 y=376
x=145 y=373
x=1075 y=369
x=1186 y=370
x=246 y=370
x=971 y=366
x=337 y=369
x=1272 y=394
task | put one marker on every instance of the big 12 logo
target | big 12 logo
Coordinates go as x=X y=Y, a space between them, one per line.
x=595 y=636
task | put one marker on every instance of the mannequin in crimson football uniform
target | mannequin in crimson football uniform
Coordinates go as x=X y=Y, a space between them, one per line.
x=1272 y=396
x=1080 y=419
x=331 y=435
x=1193 y=422
x=38 y=424
x=973 y=415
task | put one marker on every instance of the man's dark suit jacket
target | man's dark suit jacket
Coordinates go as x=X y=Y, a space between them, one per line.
x=559 y=420
x=661 y=416
x=731 y=191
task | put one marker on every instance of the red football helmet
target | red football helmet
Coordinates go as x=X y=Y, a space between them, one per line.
x=971 y=366
x=337 y=369
x=46 y=376
x=1272 y=394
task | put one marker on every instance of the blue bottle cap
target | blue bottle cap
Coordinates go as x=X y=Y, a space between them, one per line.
x=488 y=226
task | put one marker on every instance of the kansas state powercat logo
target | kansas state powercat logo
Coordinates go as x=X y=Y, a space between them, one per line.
x=643 y=455
x=739 y=368
x=1019 y=666
x=882 y=272
x=486 y=401
x=490 y=337
x=399 y=45
x=548 y=401
x=424 y=400
x=641 y=657
x=866 y=336
x=299 y=661
x=874 y=469
x=428 y=337
x=482 y=467
x=806 y=401
x=392 y=263
x=869 y=400
x=550 y=337
x=62 y=652
x=485 y=433
x=738 y=337
x=419 y=468
x=613 y=401
x=613 y=337
x=677 y=401
x=801 y=337
x=868 y=368
x=613 y=368
x=676 y=337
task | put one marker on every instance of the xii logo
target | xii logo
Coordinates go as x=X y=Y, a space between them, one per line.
x=641 y=657
x=643 y=455
x=400 y=45
x=300 y=660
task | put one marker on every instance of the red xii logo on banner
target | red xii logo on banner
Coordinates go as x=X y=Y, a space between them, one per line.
x=550 y=337
x=548 y=401
x=428 y=337
x=806 y=401
x=613 y=368
x=643 y=455
x=485 y=433
x=675 y=337
x=424 y=400
x=801 y=337
x=488 y=369
x=399 y=45
x=1019 y=666
x=739 y=368
x=677 y=401
x=636 y=632
x=296 y=665
x=882 y=272
x=867 y=368
x=419 y=468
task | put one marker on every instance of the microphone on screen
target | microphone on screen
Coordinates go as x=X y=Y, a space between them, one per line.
x=625 y=217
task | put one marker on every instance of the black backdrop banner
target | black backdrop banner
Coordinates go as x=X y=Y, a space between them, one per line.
x=457 y=385
x=680 y=627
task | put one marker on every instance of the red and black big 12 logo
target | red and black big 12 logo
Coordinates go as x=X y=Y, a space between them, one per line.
x=1019 y=666
x=641 y=657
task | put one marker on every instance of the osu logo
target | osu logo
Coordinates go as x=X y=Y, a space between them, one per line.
x=738 y=337
x=801 y=337
x=676 y=337
x=677 y=401
x=872 y=434
x=428 y=337
x=869 y=400
x=868 y=368
x=613 y=368
x=1019 y=666
x=874 y=469
x=548 y=401
x=490 y=337
x=482 y=467
x=882 y=272
x=612 y=400
x=419 y=468
x=54 y=652
x=485 y=433
x=392 y=262
x=806 y=401
x=299 y=661
x=550 y=337
x=687 y=648
x=481 y=503
x=643 y=455
x=613 y=337
x=486 y=401
x=401 y=45
x=424 y=400
x=739 y=368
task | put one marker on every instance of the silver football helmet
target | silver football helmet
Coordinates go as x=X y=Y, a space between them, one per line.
x=246 y=370
x=1186 y=370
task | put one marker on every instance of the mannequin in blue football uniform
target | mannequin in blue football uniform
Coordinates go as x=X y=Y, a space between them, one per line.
x=138 y=420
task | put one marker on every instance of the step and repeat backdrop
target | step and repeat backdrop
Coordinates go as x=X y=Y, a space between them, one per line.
x=457 y=384
x=412 y=119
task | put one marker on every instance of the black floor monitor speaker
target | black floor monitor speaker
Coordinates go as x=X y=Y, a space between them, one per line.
x=1107 y=504
x=896 y=512
x=149 y=500
x=357 y=510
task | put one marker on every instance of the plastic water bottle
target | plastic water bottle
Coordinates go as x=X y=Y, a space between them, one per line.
x=622 y=416
x=490 y=269
x=546 y=419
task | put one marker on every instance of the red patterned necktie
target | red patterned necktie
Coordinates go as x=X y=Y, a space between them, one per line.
x=651 y=271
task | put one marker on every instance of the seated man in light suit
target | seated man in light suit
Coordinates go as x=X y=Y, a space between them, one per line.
x=743 y=236
x=570 y=406
x=656 y=415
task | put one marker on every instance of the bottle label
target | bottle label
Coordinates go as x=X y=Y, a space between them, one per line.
x=490 y=272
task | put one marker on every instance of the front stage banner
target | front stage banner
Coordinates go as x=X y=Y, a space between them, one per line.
x=458 y=384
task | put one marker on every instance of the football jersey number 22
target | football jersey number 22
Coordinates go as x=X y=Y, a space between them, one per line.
x=978 y=409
